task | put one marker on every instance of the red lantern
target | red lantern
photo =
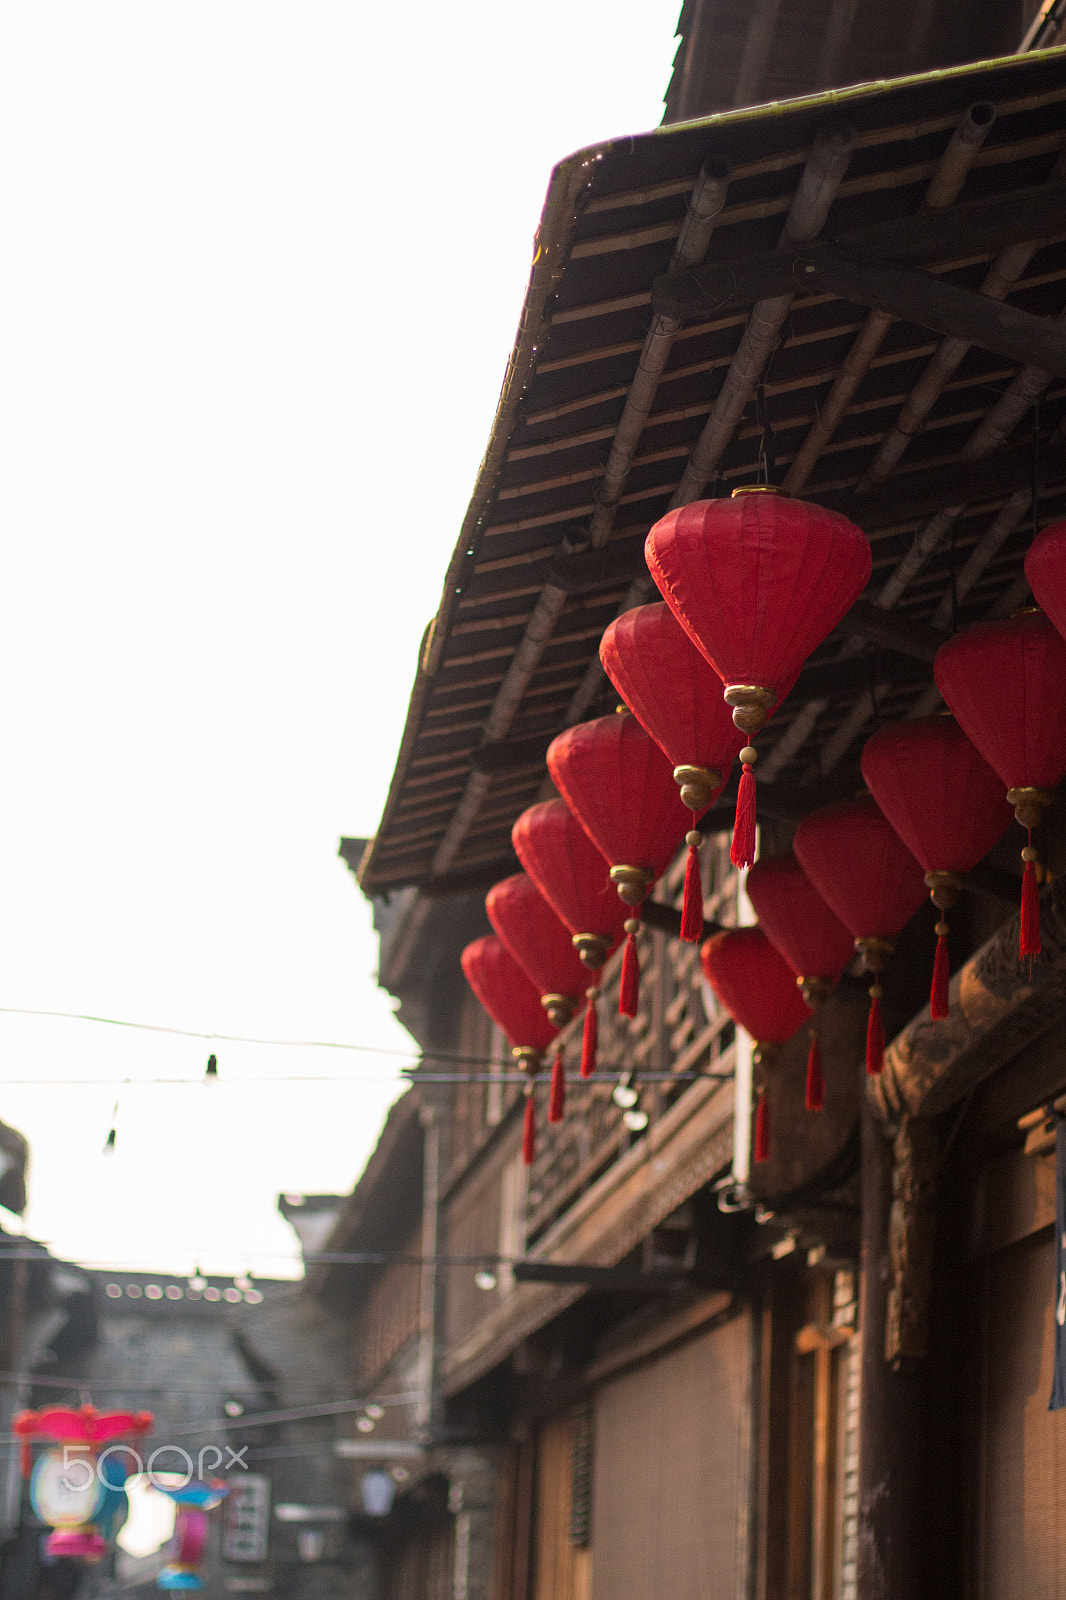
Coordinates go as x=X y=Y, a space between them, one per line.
x=946 y=804
x=812 y=939
x=757 y=582
x=1045 y=567
x=539 y=943
x=674 y=695
x=544 y=950
x=575 y=879
x=1006 y=684
x=514 y=1005
x=621 y=788
x=758 y=988
x=864 y=872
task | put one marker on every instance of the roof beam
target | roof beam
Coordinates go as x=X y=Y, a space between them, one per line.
x=910 y=496
x=979 y=227
x=929 y=302
x=867 y=620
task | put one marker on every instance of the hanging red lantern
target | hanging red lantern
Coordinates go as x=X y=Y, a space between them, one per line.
x=674 y=695
x=1045 y=567
x=758 y=989
x=575 y=879
x=865 y=873
x=514 y=1005
x=946 y=804
x=544 y=950
x=810 y=937
x=757 y=582
x=1006 y=684
x=621 y=788
x=539 y=943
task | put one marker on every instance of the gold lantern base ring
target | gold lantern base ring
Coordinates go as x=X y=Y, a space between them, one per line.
x=751 y=704
x=1029 y=805
x=944 y=888
x=698 y=785
x=632 y=883
x=528 y=1060
x=560 y=1008
x=815 y=991
x=592 y=948
x=875 y=952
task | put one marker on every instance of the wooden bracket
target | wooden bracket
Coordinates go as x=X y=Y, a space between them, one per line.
x=911 y=1240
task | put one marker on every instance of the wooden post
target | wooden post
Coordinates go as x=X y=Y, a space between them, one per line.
x=891 y=1453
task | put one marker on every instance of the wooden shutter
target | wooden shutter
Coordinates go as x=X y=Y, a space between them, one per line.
x=560 y=1568
x=669 y=1481
x=1021 y=1487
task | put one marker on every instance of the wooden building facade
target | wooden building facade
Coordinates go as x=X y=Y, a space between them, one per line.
x=644 y=1365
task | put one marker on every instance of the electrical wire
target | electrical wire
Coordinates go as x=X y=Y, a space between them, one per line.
x=351 y=1258
x=603 y=1075
x=37 y=1380
x=420 y=1057
x=239 y=1038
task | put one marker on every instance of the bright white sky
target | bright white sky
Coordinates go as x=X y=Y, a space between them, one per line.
x=261 y=271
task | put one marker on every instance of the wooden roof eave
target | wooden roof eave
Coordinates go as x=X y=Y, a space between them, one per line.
x=560 y=218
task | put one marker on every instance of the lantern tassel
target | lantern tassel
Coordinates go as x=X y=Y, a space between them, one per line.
x=1029 y=942
x=875 y=1034
x=742 y=851
x=557 y=1092
x=814 y=1094
x=629 y=988
x=590 y=1035
x=529 y=1132
x=938 y=994
x=762 y=1129
x=25 y=1457
x=692 y=901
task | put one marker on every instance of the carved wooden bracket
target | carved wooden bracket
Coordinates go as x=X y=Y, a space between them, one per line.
x=996 y=1010
x=911 y=1240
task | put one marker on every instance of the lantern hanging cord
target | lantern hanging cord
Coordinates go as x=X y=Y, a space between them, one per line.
x=1036 y=467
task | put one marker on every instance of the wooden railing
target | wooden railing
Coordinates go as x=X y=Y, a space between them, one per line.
x=678 y=1031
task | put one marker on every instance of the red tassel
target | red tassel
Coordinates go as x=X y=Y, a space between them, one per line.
x=1029 y=943
x=814 y=1096
x=590 y=1035
x=557 y=1092
x=529 y=1133
x=692 y=901
x=742 y=851
x=875 y=1035
x=25 y=1458
x=762 y=1129
x=938 y=994
x=629 y=989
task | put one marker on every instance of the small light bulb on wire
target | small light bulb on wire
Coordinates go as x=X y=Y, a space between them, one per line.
x=635 y=1121
x=365 y=1425
x=374 y=1412
x=198 y=1282
x=112 y=1133
x=485 y=1279
x=211 y=1072
x=624 y=1095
